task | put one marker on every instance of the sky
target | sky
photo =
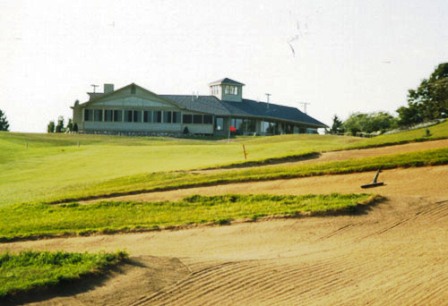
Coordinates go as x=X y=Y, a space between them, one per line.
x=338 y=56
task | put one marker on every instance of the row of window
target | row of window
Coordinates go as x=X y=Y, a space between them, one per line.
x=146 y=116
x=228 y=90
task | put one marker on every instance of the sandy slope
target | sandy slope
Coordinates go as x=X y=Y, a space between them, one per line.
x=394 y=254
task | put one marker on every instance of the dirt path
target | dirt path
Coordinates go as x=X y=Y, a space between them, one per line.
x=394 y=254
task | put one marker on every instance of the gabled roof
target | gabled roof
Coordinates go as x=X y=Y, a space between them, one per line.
x=226 y=81
x=98 y=96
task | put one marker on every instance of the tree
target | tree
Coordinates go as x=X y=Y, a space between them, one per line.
x=337 y=126
x=4 y=125
x=60 y=125
x=429 y=101
x=355 y=123
x=70 y=125
x=50 y=127
x=369 y=123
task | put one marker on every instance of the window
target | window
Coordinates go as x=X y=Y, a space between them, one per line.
x=230 y=90
x=88 y=115
x=215 y=90
x=147 y=116
x=187 y=118
x=176 y=117
x=128 y=116
x=219 y=124
x=108 y=115
x=197 y=119
x=158 y=116
x=98 y=115
x=118 y=116
x=167 y=117
x=248 y=126
x=137 y=116
x=208 y=119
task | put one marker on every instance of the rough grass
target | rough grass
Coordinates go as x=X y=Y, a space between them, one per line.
x=33 y=270
x=27 y=221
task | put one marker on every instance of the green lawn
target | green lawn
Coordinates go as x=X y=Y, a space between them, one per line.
x=32 y=270
x=44 y=167
x=159 y=181
x=25 y=221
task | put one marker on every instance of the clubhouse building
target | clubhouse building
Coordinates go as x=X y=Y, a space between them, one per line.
x=134 y=110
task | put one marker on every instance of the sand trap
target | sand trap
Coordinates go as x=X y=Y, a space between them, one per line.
x=395 y=254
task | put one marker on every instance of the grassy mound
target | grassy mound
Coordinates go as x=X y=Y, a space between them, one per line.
x=28 y=221
x=33 y=270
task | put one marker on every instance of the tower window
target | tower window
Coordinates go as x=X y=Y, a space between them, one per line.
x=230 y=90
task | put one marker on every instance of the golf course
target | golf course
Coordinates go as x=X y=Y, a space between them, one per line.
x=279 y=220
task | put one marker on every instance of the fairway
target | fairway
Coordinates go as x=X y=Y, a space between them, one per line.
x=43 y=165
x=39 y=167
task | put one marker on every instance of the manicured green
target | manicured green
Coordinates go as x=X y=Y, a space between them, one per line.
x=26 y=221
x=47 y=167
x=31 y=270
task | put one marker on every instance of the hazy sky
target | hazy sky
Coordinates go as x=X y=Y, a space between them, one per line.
x=340 y=56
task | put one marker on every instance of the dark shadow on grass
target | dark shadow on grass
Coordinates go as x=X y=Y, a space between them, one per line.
x=65 y=288
x=269 y=161
x=359 y=209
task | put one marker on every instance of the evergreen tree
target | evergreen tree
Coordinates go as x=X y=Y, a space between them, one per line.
x=60 y=125
x=337 y=127
x=50 y=127
x=4 y=125
x=70 y=125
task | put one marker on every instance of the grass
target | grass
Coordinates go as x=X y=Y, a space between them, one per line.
x=47 y=167
x=162 y=181
x=29 y=270
x=439 y=131
x=26 y=221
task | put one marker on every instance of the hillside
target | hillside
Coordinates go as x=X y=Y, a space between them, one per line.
x=38 y=167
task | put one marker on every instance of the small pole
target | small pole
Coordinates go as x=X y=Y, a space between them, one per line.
x=228 y=129
x=245 y=152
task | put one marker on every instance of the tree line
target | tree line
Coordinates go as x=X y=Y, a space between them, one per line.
x=428 y=102
x=59 y=126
